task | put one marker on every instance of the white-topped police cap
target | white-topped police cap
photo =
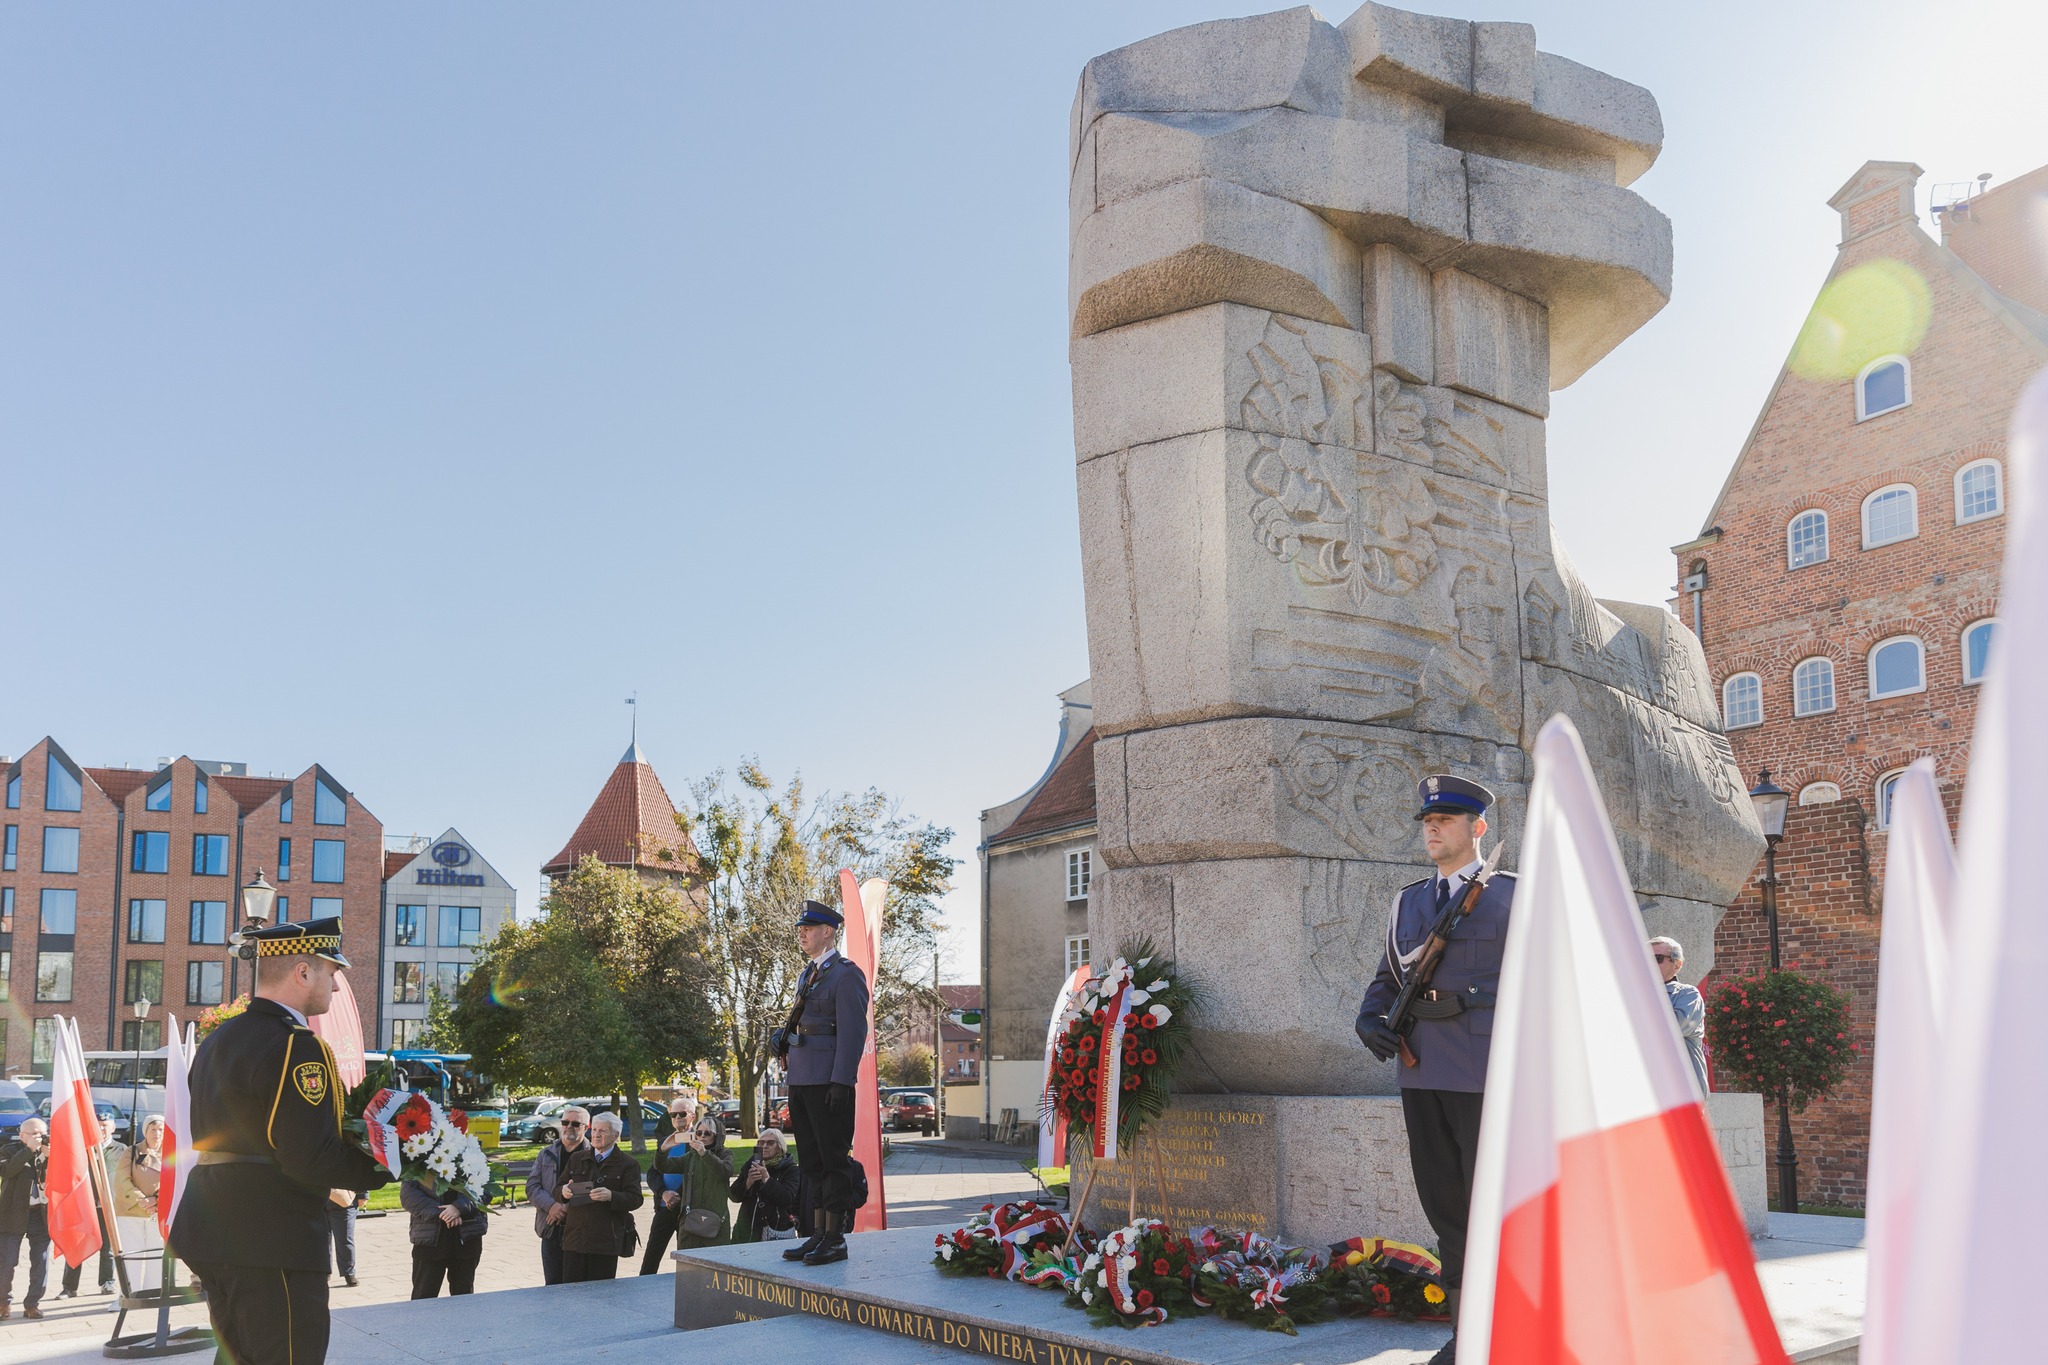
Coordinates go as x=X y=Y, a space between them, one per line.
x=1441 y=791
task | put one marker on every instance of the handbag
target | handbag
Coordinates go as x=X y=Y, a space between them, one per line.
x=698 y=1222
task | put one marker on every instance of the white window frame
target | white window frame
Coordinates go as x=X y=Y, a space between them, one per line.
x=1883 y=805
x=1077 y=952
x=1863 y=414
x=1913 y=534
x=1826 y=544
x=1726 y=722
x=1819 y=793
x=1970 y=679
x=1080 y=873
x=1998 y=482
x=1832 y=699
x=1870 y=667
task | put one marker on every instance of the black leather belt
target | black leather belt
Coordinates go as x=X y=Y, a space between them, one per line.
x=818 y=1030
x=233 y=1159
x=1435 y=1004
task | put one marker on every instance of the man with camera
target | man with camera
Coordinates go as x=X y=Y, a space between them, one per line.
x=24 y=1212
x=821 y=1046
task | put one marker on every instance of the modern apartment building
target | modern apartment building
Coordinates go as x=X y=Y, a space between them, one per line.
x=119 y=885
x=442 y=901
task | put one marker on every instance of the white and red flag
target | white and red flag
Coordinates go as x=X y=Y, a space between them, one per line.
x=1976 y=1296
x=178 y=1160
x=1912 y=1007
x=74 y=1134
x=1604 y=1231
x=861 y=903
x=1052 y=1120
x=341 y=1028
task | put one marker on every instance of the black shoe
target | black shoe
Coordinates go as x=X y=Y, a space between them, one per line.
x=349 y=1280
x=802 y=1250
x=1447 y=1354
x=834 y=1249
x=67 y=1293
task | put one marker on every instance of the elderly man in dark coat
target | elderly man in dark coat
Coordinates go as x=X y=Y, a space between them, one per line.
x=827 y=1032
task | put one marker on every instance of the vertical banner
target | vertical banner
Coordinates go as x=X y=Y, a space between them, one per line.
x=177 y=1128
x=342 y=1030
x=861 y=903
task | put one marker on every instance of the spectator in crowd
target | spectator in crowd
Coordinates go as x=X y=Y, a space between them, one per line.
x=447 y=1239
x=135 y=1180
x=341 y=1226
x=689 y=1173
x=550 y=1213
x=1685 y=1003
x=601 y=1186
x=111 y=1152
x=682 y=1112
x=24 y=1212
x=766 y=1189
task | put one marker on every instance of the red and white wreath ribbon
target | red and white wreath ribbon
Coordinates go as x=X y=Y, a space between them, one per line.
x=1013 y=1229
x=1052 y=1120
x=1109 y=1076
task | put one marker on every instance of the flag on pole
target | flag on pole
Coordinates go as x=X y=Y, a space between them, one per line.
x=1975 y=1296
x=1052 y=1120
x=861 y=903
x=1912 y=995
x=74 y=1132
x=341 y=1028
x=1603 y=1228
x=177 y=1127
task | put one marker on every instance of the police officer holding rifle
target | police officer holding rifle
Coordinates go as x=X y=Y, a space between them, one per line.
x=1431 y=1004
x=821 y=1046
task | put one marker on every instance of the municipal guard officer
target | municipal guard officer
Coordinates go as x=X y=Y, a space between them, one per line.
x=1441 y=1094
x=827 y=1032
x=266 y=1129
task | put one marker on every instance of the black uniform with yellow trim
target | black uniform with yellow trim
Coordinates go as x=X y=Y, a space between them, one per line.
x=266 y=1127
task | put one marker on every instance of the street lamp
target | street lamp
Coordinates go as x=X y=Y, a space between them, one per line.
x=1771 y=802
x=135 y=1089
x=257 y=899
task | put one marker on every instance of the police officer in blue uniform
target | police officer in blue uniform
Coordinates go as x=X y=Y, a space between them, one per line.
x=1453 y=1019
x=821 y=1048
x=266 y=1134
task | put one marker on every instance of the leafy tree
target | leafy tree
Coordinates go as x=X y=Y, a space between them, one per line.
x=440 y=1034
x=1781 y=1033
x=606 y=988
x=909 y=1064
x=765 y=849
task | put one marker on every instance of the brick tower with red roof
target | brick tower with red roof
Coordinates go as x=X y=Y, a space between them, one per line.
x=632 y=824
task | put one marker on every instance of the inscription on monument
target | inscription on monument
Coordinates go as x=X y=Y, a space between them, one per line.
x=1208 y=1162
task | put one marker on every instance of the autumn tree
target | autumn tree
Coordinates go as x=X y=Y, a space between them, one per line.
x=766 y=849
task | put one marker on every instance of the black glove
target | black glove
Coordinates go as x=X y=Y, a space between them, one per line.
x=839 y=1099
x=1381 y=1040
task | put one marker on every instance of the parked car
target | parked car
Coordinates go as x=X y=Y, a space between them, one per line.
x=100 y=1107
x=14 y=1107
x=778 y=1115
x=911 y=1109
x=544 y=1126
x=728 y=1114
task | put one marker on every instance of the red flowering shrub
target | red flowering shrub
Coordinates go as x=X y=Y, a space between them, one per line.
x=1780 y=1030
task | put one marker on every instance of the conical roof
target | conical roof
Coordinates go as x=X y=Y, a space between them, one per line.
x=629 y=824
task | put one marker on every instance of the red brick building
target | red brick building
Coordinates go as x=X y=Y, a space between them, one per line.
x=1846 y=585
x=120 y=884
x=632 y=824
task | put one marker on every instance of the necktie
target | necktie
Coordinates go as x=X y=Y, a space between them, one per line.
x=1443 y=893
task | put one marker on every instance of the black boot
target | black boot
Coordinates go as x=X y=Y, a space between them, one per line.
x=833 y=1248
x=820 y=1230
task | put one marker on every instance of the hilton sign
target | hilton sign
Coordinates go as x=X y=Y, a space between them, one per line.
x=450 y=855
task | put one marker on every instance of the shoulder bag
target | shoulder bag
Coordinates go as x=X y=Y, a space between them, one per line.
x=697 y=1222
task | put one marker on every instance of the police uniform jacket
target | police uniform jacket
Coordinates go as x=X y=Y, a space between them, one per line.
x=1453 y=1051
x=264 y=1086
x=832 y=1026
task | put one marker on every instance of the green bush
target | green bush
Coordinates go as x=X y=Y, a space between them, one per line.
x=1780 y=1030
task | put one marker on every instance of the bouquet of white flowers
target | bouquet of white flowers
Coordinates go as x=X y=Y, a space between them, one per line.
x=415 y=1139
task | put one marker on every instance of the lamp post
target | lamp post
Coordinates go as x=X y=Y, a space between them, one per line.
x=135 y=1086
x=257 y=899
x=1771 y=802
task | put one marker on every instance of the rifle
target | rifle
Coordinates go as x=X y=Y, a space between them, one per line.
x=1401 y=1017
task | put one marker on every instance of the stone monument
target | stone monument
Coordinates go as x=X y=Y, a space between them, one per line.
x=1323 y=281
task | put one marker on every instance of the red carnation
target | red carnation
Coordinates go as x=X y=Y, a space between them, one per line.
x=1130 y=1021
x=412 y=1119
x=1150 y=1020
x=1100 y=1015
x=1088 y=1043
x=1068 y=1056
x=1160 y=1267
x=461 y=1119
x=1381 y=1292
x=1144 y=1298
x=1130 y=1082
x=1149 y=1057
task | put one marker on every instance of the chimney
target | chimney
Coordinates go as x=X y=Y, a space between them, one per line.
x=1879 y=196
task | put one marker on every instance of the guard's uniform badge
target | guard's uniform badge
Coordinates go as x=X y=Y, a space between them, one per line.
x=310 y=1078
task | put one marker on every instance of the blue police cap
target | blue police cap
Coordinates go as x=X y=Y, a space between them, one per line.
x=1441 y=791
x=816 y=913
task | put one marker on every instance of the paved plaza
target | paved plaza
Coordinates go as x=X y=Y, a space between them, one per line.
x=927 y=1182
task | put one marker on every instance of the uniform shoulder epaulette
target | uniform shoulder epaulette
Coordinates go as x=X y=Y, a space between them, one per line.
x=1417 y=882
x=1502 y=873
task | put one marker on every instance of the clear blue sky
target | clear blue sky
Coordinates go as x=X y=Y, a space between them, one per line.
x=399 y=386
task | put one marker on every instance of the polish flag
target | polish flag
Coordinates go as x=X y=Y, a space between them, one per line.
x=177 y=1127
x=1604 y=1231
x=74 y=1133
x=341 y=1028
x=1980 y=1151
x=1912 y=997
x=861 y=903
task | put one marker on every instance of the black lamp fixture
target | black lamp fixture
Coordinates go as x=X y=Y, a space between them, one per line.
x=1771 y=801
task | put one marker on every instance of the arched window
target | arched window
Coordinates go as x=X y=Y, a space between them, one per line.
x=1819 y=793
x=1813 y=687
x=1980 y=491
x=1897 y=666
x=1806 y=540
x=1887 y=786
x=1977 y=637
x=1891 y=514
x=1742 y=701
x=1886 y=384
